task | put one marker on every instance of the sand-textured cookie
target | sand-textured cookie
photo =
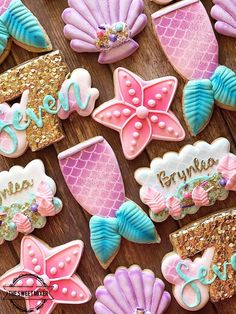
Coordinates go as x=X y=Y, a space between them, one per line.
x=26 y=199
x=46 y=94
x=50 y=271
x=93 y=176
x=224 y=12
x=180 y=183
x=106 y=27
x=17 y=23
x=132 y=290
x=140 y=111
x=186 y=35
x=211 y=276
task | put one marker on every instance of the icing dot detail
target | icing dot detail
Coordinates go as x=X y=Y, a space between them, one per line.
x=19 y=283
x=53 y=271
x=132 y=92
x=55 y=287
x=162 y=125
x=28 y=246
x=34 y=261
x=170 y=83
x=165 y=90
x=61 y=265
x=158 y=96
x=108 y=115
x=134 y=143
x=128 y=83
x=64 y=290
x=136 y=134
x=126 y=112
x=30 y=282
x=170 y=129
x=132 y=149
x=152 y=103
x=154 y=119
x=142 y=112
x=135 y=100
x=101 y=116
x=117 y=113
x=68 y=259
x=31 y=253
x=138 y=125
x=37 y=268
x=176 y=134
x=75 y=252
x=81 y=295
x=73 y=293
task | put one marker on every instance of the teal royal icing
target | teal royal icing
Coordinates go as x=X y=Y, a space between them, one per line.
x=48 y=106
x=201 y=277
x=23 y=26
x=130 y=222
x=4 y=36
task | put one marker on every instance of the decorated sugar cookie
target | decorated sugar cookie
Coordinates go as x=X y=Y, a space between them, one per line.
x=26 y=32
x=140 y=111
x=180 y=183
x=50 y=271
x=106 y=27
x=26 y=199
x=93 y=176
x=211 y=276
x=188 y=40
x=132 y=290
x=224 y=11
x=34 y=120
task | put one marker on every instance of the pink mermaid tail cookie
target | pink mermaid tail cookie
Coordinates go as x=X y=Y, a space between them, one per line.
x=224 y=12
x=140 y=111
x=49 y=270
x=106 y=27
x=132 y=290
x=92 y=174
x=188 y=40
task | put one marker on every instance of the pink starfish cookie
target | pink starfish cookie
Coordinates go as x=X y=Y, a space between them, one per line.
x=47 y=270
x=140 y=111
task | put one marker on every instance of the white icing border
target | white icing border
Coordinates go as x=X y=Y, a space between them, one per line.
x=173 y=7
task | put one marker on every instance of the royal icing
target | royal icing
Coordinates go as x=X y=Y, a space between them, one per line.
x=50 y=270
x=132 y=290
x=210 y=277
x=34 y=121
x=140 y=111
x=93 y=176
x=106 y=27
x=27 y=32
x=188 y=40
x=224 y=11
x=26 y=199
x=179 y=184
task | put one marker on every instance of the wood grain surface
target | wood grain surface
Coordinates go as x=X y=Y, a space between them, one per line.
x=72 y=223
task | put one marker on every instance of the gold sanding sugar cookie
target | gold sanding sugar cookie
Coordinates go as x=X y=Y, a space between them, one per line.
x=42 y=76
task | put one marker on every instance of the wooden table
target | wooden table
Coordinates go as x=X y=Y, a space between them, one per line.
x=72 y=223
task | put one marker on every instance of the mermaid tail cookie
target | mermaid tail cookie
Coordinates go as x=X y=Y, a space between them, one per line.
x=18 y=22
x=186 y=36
x=93 y=176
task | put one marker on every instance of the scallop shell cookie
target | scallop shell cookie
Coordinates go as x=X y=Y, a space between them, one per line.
x=26 y=32
x=106 y=27
x=26 y=199
x=181 y=183
x=132 y=291
x=210 y=277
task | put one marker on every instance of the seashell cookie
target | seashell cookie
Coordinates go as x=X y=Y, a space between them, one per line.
x=132 y=291
x=106 y=27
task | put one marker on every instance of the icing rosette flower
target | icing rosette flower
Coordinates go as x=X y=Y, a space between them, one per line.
x=173 y=204
x=200 y=196
x=44 y=199
x=154 y=200
x=132 y=290
x=23 y=223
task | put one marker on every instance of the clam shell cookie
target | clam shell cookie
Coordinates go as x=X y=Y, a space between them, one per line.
x=93 y=176
x=106 y=27
x=27 y=197
x=132 y=291
x=181 y=183
x=186 y=35
x=48 y=275
x=18 y=24
x=210 y=277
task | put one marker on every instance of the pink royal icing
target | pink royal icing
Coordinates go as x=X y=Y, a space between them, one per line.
x=44 y=199
x=173 y=204
x=200 y=196
x=154 y=200
x=55 y=267
x=23 y=223
x=140 y=111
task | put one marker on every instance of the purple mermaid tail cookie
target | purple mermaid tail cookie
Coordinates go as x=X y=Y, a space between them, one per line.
x=106 y=27
x=132 y=291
